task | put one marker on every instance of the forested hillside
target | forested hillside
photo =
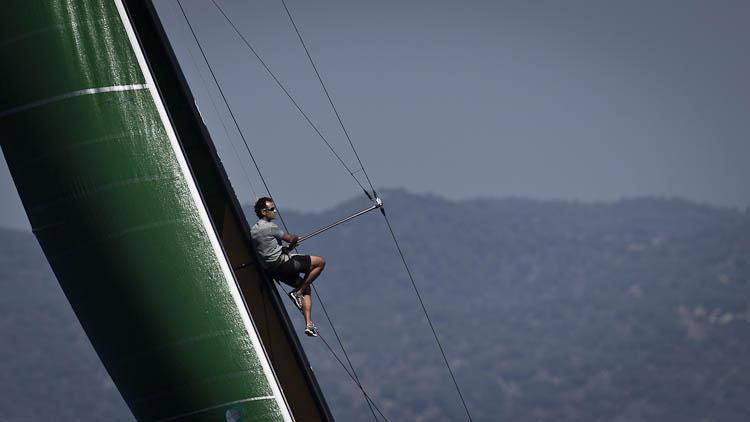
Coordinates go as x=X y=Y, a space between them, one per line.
x=637 y=310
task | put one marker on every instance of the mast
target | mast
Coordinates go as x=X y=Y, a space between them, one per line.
x=132 y=208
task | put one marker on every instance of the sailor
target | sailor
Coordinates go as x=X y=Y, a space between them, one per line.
x=282 y=265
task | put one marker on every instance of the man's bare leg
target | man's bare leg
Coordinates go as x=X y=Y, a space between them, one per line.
x=317 y=263
x=307 y=309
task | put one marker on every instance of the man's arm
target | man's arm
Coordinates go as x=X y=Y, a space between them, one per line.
x=291 y=239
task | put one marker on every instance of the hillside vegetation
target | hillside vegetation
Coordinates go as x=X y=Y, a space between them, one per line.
x=636 y=310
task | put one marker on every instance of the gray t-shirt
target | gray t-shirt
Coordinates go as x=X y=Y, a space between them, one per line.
x=267 y=241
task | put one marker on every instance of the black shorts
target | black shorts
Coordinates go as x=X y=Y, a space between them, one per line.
x=289 y=271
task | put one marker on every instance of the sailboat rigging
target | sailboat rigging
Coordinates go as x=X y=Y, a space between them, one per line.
x=377 y=203
x=135 y=213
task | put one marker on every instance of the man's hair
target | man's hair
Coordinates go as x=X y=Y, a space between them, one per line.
x=260 y=205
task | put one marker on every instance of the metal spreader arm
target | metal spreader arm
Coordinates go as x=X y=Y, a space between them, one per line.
x=378 y=204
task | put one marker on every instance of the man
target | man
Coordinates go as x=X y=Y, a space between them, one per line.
x=282 y=265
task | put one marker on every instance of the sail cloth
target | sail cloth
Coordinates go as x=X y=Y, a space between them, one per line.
x=137 y=220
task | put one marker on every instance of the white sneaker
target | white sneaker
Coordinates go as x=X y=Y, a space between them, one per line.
x=311 y=330
x=296 y=298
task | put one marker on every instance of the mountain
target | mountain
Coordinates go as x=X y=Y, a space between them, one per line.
x=635 y=310
x=48 y=369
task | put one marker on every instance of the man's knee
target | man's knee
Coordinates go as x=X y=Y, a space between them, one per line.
x=318 y=262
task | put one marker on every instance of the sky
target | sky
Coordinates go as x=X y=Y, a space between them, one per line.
x=578 y=100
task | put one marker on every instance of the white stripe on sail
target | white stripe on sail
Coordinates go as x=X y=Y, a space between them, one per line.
x=88 y=91
x=208 y=227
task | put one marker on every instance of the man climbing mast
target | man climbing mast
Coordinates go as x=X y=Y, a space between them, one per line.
x=282 y=265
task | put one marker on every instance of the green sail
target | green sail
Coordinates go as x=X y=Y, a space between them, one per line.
x=132 y=210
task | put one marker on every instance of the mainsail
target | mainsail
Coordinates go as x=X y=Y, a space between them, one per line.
x=132 y=208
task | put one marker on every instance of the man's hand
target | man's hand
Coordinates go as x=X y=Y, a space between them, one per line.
x=293 y=243
x=291 y=239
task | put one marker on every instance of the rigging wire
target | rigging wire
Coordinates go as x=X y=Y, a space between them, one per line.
x=278 y=82
x=221 y=91
x=346 y=355
x=223 y=124
x=296 y=105
x=354 y=377
x=388 y=223
x=330 y=101
x=398 y=247
x=370 y=401
x=427 y=315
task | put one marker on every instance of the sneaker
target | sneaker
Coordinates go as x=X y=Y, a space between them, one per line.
x=296 y=298
x=311 y=330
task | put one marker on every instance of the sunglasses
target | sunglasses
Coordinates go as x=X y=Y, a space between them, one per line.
x=272 y=209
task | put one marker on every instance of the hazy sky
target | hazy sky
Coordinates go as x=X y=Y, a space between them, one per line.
x=586 y=100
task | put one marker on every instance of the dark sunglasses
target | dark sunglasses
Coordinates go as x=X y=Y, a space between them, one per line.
x=270 y=209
